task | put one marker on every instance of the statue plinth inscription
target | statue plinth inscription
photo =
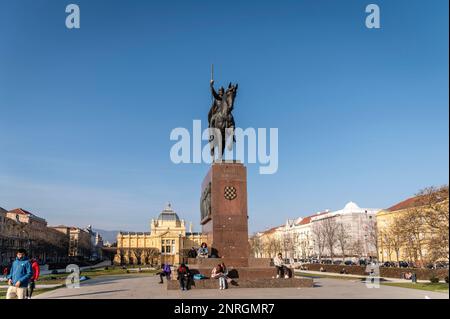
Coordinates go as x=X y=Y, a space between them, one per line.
x=224 y=210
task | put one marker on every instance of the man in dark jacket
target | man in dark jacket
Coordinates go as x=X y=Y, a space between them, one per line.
x=183 y=276
x=19 y=276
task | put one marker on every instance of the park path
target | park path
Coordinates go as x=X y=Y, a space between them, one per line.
x=147 y=287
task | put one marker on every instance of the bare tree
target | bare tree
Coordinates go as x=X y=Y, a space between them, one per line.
x=357 y=248
x=343 y=238
x=256 y=246
x=330 y=231
x=319 y=238
x=397 y=236
x=288 y=245
x=415 y=232
x=150 y=254
x=435 y=202
x=138 y=255
x=304 y=245
x=372 y=237
x=386 y=244
x=273 y=246
x=295 y=249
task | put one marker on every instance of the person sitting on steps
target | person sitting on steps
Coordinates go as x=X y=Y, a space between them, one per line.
x=166 y=271
x=218 y=273
x=281 y=268
x=183 y=276
x=192 y=253
x=203 y=251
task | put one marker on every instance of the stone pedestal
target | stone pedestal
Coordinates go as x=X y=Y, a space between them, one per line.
x=226 y=223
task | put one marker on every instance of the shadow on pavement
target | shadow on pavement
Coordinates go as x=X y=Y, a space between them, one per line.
x=87 y=294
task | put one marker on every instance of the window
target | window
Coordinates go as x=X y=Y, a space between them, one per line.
x=173 y=241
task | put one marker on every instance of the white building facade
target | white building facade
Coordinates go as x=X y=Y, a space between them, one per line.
x=358 y=227
x=299 y=238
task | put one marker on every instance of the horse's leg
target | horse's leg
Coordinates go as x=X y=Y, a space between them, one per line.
x=233 y=127
x=223 y=145
x=230 y=138
x=212 y=141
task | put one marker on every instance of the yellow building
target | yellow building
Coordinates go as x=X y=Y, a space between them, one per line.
x=405 y=232
x=267 y=244
x=167 y=242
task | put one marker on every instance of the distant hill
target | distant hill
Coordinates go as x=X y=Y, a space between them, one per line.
x=107 y=235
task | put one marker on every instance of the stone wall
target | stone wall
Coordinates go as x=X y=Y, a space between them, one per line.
x=390 y=272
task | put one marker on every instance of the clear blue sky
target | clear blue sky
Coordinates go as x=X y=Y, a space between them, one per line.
x=86 y=114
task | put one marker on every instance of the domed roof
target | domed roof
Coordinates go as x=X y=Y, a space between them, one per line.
x=168 y=214
x=351 y=206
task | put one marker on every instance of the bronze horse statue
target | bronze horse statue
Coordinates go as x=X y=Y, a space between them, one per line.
x=220 y=118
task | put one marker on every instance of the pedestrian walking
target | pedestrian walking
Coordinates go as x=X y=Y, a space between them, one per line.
x=35 y=277
x=19 y=276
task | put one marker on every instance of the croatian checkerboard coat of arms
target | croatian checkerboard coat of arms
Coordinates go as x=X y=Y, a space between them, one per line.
x=230 y=192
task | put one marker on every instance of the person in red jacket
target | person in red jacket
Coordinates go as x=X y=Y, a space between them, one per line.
x=34 y=278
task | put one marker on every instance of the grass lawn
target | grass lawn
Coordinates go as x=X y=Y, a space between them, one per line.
x=437 y=287
x=60 y=278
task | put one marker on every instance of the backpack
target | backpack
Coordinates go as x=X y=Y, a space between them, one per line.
x=199 y=277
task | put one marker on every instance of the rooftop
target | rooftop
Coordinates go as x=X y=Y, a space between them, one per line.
x=21 y=211
x=307 y=219
x=168 y=214
x=407 y=203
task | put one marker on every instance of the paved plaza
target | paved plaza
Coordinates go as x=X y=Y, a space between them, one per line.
x=147 y=287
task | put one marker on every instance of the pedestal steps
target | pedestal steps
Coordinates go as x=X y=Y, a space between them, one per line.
x=241 y=272
x=246 y=283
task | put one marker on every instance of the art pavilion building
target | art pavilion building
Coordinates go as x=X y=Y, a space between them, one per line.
x=167 y=242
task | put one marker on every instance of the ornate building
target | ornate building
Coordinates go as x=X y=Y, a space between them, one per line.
x=21 y=229
x=84 y=244
x=11 y=238
x=167 y=241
